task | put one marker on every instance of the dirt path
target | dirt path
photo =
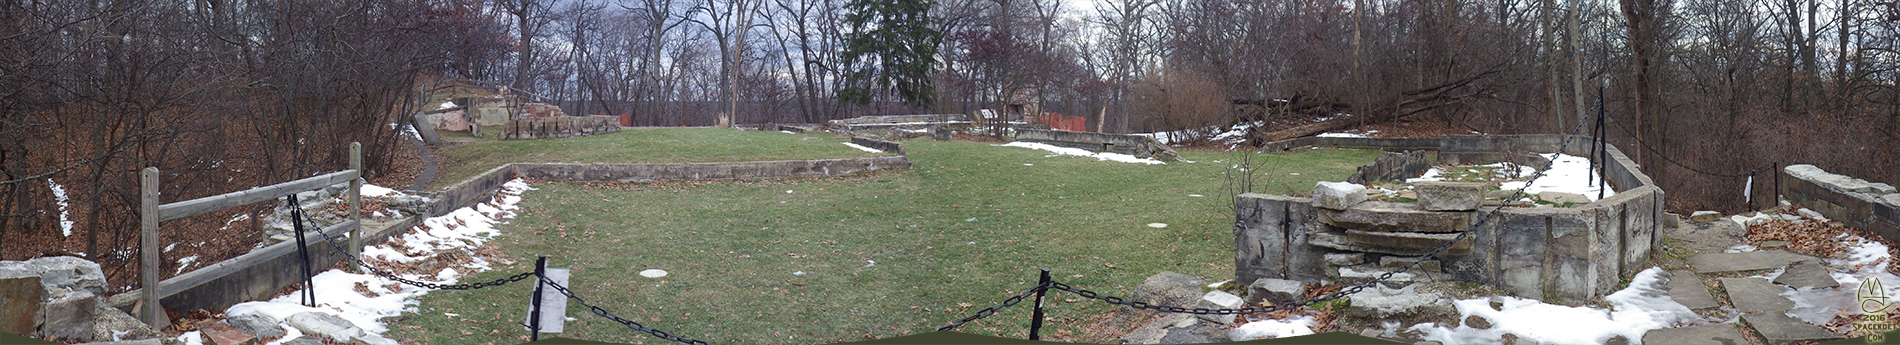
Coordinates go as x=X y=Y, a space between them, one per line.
x=429 y=165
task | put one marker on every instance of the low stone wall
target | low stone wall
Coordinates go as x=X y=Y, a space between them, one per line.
x=1138 y=146
x=559 y=127
x=1564 y=255
x=1393 y=167
x=1874 y=207
x=886 y=146
x=862 y=123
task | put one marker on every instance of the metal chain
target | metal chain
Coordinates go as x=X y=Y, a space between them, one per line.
x=986 y=312
x=635 y=326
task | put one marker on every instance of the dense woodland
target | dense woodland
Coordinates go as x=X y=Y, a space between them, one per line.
x=223 y=95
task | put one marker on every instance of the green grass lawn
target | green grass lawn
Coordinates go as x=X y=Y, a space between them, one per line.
x=640 y=145
x=965 y=228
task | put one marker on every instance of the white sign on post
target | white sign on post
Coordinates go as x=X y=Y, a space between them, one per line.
x=553 y=303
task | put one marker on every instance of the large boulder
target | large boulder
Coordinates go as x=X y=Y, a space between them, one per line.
x=1450 y=196
x=1382 y=302
x=59 y=273
x=1337 y=195
x=1219 y=300
x=69 y=317
x=1274 y=291
x=111 y=323
x=324 y=325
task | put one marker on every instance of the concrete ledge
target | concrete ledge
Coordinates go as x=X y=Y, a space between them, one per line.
x=1818 y=190
x=1138 y=146
x=886 y=146
x=559 y=127
x=259 y=274
x=644 y=172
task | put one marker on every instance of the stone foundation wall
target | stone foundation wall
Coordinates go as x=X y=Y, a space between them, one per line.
x=1393 y=167
x=1874 y=207
x=559 y=127
x=1565 y=255
x=1135 y=145
x=886 y=146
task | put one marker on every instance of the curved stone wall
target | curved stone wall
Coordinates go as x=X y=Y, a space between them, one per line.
x=1564 y=255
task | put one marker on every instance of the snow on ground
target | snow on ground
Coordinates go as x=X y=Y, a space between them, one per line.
x=1643 y=306
x=1348 y=134
x=1106 y=156
x=461 y=230
x=865 y=149
x=59 y=197
x=1277 y=328
x=445 y=105
x=375 y=190
x=1864 y=260
x=1567 y=173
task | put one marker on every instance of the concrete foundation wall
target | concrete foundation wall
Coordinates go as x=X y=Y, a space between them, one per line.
x=1393 y=167
x=886 y=146
x=1565 y=255
x=559 y=127
x=1875 y=211
x=643 y=172
x=1136 y=145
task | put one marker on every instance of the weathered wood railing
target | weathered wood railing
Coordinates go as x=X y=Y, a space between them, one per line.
x=151 y=212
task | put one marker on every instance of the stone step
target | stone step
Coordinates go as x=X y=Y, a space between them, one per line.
x=1745 y=261
x=1712 y=334
x=1779 y=328
x=1756 y=295
x=1687 y=288
x=1807 y=274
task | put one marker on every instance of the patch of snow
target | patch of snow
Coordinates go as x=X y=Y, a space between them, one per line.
x=798 y=273
x=1195 y=195
x=787 y=132
x=460 y=230
x=1643 y=306
x=1567 y=174
x=375 y=190
x=192 y=338
x=1759 y=218
x=1739 y=248
x=1217 y=285
x=653 y=273
x=1279 y=328
x=865 y=149
x=59 y=197
x=1103 y=156
x=1157 y=225
x=1342 y=135
x=445 y=105
x=185 y=262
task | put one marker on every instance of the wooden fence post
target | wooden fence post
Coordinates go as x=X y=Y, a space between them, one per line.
x=152 y=314
x=356 y=205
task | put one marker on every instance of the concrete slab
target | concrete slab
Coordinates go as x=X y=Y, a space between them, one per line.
x=1686 y=288
x=1756 y=295
x=1806 y=274
x=1714 y=334
x=1779 y=328
x=1745 y=261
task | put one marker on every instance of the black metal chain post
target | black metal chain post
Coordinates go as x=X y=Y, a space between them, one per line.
x=309 y=296
x=1777 y=172
x=534 y=316
x=1602 y=147
x=1035 y=318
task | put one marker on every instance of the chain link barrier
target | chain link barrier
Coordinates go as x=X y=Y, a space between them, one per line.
x=986 y=312
x=632 y=325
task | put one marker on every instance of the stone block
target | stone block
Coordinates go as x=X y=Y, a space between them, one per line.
x=1704 y=216
x=1686 y=288
x=1561 y=198
x=1345 y=259
x=1671 y=220
x=1779 y=328
x=1264 y=232
x=1569 y=274
x=1756 y=295
x=109 y=323
x=260 y=325
x=1745 y=261
x=1396 y=217
x=1274 y=291
x=1806 y=274
x=1450 y=196
x=1606 y=249
x=1383 y=302
x=220 y=333
x=1397 y=261
x=1337 y=195
x=1304 y=261
x=1409 y=240
x=1520 y=249
x=20 y=304
x=1713 y=334
x=1169 y=288
x=373 y=339
x=1219 y=300
x=1644 y=220
x=324 y=325
x=1337 y=240
x=151 y=341
x=59 y=273
x=1502 y=193
x=69 y=317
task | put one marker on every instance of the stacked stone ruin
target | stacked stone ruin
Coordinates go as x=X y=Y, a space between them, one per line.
x=1369 y=238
